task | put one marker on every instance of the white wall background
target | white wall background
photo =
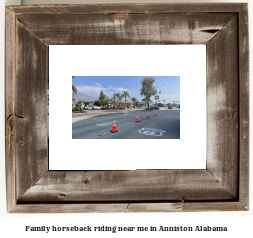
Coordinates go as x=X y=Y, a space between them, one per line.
x=239 y=223
x=65 y=61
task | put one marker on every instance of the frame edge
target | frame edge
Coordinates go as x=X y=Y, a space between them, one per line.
x=244 y=105
x=9 y=125
x=10 y=64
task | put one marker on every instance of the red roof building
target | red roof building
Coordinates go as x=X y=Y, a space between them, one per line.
x=120 y=103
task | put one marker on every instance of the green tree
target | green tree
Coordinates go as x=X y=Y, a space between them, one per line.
x=79 y=103
x=115 y=97
x=97 y=103
x=103 y=98
x=148 y=90
x=125 y=94
x=134 y=100
x=106 y=101
x=74 y=90
x=118 y=97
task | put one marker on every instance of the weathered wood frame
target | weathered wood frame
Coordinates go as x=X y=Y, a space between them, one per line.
x=222 y=186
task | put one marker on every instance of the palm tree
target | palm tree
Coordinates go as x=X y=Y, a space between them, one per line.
x=125 y=94
x=74 y=89
x=133 y=99
x=114 y=97
x=119 y=96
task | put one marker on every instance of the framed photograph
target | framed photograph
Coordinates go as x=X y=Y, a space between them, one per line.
x=97 y=49
x=149 y=134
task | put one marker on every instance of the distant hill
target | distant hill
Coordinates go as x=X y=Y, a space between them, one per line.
x=82 y=96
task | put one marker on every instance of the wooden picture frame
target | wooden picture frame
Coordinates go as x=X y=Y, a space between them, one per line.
x=222 y=186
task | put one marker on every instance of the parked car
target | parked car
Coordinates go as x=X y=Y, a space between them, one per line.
x=87 y=107
x=169 y=107
x=96 y=107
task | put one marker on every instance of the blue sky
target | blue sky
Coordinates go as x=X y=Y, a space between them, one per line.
x=92 y=86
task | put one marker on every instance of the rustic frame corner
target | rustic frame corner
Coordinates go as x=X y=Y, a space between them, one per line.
x=223 y=186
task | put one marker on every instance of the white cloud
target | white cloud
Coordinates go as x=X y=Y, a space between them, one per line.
x=94 y=91
x=98 y=84
x=120 y=89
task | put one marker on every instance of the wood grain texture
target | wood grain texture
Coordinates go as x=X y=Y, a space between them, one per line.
x=223 y=107
x=129 y=8
x=30 y=109
x=186 y=207
x=129 y=207
x=120 y=29
x=139 y=185
x=244 y=106
x=223 y=186
x=9 y=108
